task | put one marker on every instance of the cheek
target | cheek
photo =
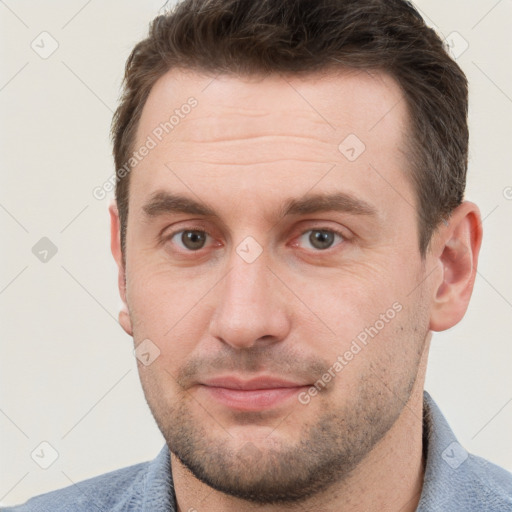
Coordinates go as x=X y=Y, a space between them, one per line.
x=168 y=311
x=353 y=298
x=158 y=290
x=372 y=322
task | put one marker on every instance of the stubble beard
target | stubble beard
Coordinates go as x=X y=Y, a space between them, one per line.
x=326 y=452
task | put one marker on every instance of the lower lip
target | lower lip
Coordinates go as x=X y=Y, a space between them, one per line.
x=252 y=399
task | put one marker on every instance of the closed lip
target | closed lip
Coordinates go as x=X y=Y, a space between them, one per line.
x=232 y=382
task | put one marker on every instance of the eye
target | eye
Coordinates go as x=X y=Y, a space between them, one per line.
x=321 y=239
x=190 y=239
x=193 y=240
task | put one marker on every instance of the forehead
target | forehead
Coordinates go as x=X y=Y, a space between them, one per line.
x=330 y=102
x=250 y=133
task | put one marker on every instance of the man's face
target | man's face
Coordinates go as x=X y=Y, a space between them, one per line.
x=253 y=303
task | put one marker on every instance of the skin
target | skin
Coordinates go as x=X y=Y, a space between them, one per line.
x=248 y=147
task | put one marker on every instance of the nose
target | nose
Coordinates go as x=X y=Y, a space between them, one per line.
x=251 y=305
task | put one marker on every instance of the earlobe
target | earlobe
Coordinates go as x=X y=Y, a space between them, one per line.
x=457 y=257
x=115 y=246
x=125 y=320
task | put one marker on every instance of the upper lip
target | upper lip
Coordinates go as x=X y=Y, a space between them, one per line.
x=232 y=382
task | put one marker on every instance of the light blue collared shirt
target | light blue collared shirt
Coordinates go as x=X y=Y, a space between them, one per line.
x=455 y=481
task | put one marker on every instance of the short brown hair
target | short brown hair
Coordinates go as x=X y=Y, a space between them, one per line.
x=300 y=37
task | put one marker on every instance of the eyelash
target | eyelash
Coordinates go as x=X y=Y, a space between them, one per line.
x=203 y=230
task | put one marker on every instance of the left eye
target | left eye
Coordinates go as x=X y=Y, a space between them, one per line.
x=321 y=239
x=191 y=239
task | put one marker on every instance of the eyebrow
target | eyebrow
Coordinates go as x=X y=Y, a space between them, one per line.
x=162 y=203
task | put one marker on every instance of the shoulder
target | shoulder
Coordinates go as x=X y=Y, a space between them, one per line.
x=455 y=479
x=476 y=486
x=486 y=484
x=110 y=491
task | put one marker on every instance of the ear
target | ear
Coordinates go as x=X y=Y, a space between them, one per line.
x=455 y=250
x=115 y=246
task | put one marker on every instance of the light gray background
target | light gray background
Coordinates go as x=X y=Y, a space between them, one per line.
x=67 y=372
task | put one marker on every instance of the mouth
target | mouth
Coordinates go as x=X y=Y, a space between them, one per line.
x=251 y=395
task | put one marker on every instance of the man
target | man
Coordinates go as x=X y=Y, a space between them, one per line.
x=289 y=229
